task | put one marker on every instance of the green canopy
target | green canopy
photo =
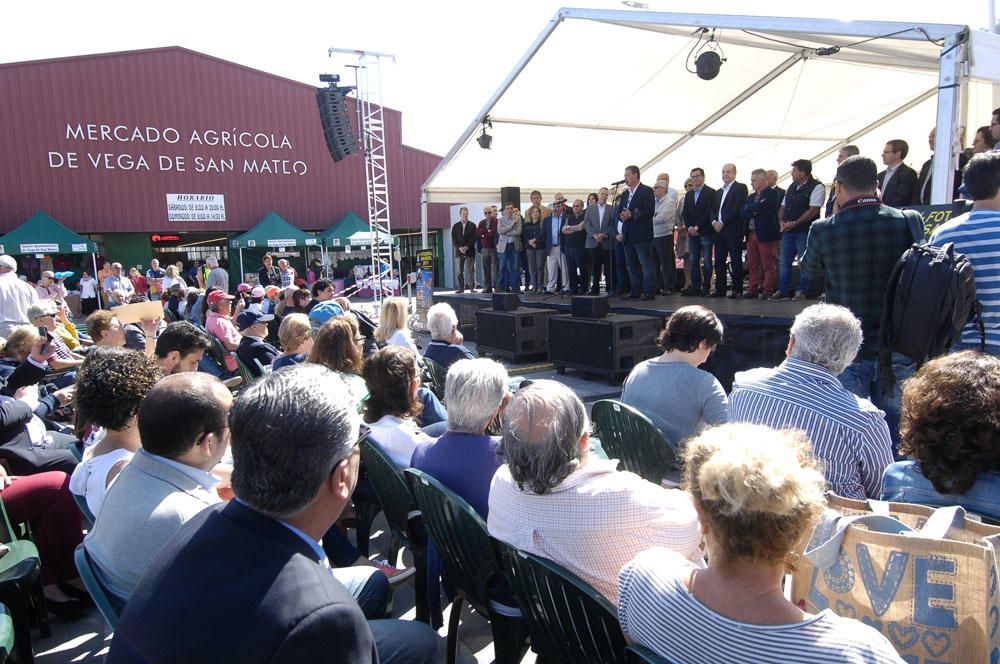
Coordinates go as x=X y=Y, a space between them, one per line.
x=44 y=235
x=338 y=236
x=273 y=232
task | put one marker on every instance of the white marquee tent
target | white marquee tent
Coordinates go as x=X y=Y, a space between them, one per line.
x=601 y=89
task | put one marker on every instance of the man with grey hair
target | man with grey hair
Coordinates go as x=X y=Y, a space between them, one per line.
x=117 y=286
x=217 y=277
x=849 y=435
x=15 y=297
x=256 y=561
x=554 y=498
x=445 y=346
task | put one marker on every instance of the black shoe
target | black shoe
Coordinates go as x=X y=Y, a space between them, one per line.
x=778 y=295
x=706 y=293
x=630 y=296
x=72 y=608
x=487 y=290
x=689 y=292
x=667 y=292
x=732 y=296
x=747 y=295
x=648 y=296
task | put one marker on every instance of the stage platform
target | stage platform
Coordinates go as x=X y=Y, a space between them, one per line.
x=756 y=331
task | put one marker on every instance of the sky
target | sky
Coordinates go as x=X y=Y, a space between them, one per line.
x=451 y=55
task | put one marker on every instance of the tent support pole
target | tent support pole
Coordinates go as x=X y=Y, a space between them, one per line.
x=93 y=259
x=951 y=91
x=423 y=219
x=241 y=265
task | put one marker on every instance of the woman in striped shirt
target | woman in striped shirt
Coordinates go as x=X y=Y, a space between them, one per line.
x=757 y=492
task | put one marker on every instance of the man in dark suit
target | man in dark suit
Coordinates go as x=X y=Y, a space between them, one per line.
x=697 y=215
x=598 y=222
x=268 y=275
x=551 y=241
x=253 y=327
x=254 y=566
x=922 y=192
x=729 y=231
x=636 y=214
x=897 y=182
x=831 y=199
x=463 y=237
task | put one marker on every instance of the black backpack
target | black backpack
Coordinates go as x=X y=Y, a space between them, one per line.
x=930 y=299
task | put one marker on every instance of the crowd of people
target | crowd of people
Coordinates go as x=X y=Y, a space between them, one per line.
x=202 y=501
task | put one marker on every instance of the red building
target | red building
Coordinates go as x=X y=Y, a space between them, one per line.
x=111 y=145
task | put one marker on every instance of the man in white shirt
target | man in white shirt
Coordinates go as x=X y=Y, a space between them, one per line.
x=554 y=499
x=15 y=297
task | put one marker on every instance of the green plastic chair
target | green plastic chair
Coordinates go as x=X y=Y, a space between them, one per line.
x=437 y=375
x=88 y=516
x=6 y=634
x=21 y=589
x=107 y=603
x=629 y=436
x=568 y=620
x=402 y=515
x=469 y=560
x=636 y=654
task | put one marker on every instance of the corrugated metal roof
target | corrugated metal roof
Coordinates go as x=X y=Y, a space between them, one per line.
x=84 y=105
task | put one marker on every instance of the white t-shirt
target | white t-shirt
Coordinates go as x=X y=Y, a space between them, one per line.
x=90 y=477
x=400 y=338
x=397 y=437
x=88 y=288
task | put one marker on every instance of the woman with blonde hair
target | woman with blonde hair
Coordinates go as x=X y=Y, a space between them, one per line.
x=392 y=329
x=534 y=244
x=758 y=493
x=173 y=277
x=295 y=335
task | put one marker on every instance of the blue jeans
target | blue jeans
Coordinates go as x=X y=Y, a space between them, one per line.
x=641 y=268
x=368 y=585
x=403 y=642
x=862 y=378
x=510 y=270
x=697 y=246
x=793 y=245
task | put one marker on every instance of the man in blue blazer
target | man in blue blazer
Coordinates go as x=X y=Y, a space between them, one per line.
x=697 y=214
x=729 y=231
x=251 y=574
x=635 y=211
x=253 y=327
x=760 y=214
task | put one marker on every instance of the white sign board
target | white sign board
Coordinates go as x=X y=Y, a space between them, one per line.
x=196 y=207
x=39 y=248
x=281 y=243
x=80 y=247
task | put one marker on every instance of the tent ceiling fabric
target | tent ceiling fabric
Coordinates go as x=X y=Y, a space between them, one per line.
x=609 y=88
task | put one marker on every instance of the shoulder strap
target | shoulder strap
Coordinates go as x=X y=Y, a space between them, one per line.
x=915 y=222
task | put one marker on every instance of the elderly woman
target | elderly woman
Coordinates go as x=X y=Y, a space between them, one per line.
x=105 y=329
x=951 y=428
x=296 y=338
x=110 y=386
x=219 y=323
x=392 y=329
x=446 y=346
x=173 y=277
x=757 y=493
x=393 y=379
x=671 y=390
x=43 y=314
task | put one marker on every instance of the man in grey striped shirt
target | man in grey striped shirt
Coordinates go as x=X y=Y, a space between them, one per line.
x=849 y=435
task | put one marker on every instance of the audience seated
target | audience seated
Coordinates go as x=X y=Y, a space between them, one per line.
x=338 y=348
x=255 y=565
x=180 y=347
x=365 y=324
x=392 y=328
x=24 y=365
x=43 y=314
x=253 y=348
x=445 y=346
x=110 y=387
x=554 y=499
x=219 y=322
x=392 y=377
x=849 y=435
x=296 y=338
x=105 y=329
x=671 y=390
x=167 y=482
x=951 y=428
x=322 y=312
x=757 y=493
x=141 y=336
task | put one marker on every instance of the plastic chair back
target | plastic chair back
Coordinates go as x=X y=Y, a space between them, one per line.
x=264 y=369
x=397 y=500
x=88 y=516
x=568 y=620
x=636 y=654
x=437 y=374
x=109 y=605
x=6 y=634
x=628 y=435
x=460 y=535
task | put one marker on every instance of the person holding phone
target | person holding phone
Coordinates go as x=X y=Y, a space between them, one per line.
x=43 y=315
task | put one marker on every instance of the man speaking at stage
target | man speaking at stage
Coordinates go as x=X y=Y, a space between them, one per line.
x=636 y=214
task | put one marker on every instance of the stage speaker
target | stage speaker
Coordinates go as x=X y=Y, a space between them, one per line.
x=513 y=334
x=340 y=139
x=589 y=306
x=506 y=301
x=608 y=346
x=510 y=195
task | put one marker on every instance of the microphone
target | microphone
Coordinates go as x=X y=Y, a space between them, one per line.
x=615 y=184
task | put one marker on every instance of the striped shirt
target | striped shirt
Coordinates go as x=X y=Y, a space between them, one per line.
x=977 y=235
x=658 y=611
x=849 y=436
x=594 y=521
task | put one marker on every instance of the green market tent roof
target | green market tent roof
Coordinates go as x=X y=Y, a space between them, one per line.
x=44 y=235
x=273 y=232
x=338 y=236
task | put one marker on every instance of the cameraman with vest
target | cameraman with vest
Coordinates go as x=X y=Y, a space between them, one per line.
x=800 y=208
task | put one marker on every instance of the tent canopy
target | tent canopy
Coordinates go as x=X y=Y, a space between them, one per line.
x=338 y=236
x=602 y=89
x=44 y=235
x=273 y=232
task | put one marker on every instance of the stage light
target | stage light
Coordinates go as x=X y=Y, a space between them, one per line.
x=709 y=58
x=485 y=140
x=708 y=65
